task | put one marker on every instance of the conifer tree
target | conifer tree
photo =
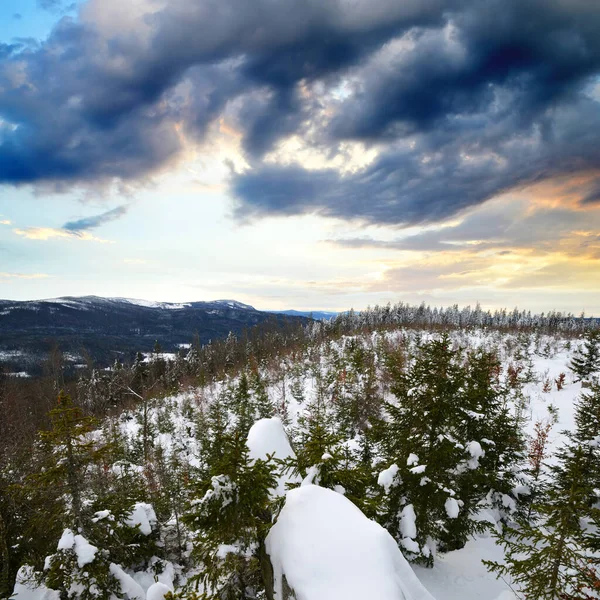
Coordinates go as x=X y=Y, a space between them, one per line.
x=242 y=405
x=587 y=436
x=231 y=518
x=586 y=361
x=431 y=444
x=551 y=558
x=72 y=453
x=264 y=408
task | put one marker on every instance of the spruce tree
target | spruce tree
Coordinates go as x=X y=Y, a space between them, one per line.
x=421 y=445
x=231 y=518
x=586 y=361
x=550 y=558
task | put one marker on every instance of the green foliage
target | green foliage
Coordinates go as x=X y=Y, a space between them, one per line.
x=586 y=362
x=231 y=517
x=452 y=440
x=550 y=558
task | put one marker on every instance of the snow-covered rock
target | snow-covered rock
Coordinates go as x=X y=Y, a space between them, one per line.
x=327 y=549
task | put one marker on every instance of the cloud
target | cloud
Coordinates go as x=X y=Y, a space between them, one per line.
x=23 y=276
x=463 y=100
x=47 y=233
x=51 y=5
x=433 y=179
x=5 y=222
x=502 y=224
x=93 y=222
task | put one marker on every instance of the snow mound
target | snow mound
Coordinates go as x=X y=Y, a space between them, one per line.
x=328 y=550
x=26 y=588
x=157 y=591
x=268 y=437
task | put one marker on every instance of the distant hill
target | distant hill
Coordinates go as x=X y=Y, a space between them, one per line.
x=106 y=328
x=318 y=315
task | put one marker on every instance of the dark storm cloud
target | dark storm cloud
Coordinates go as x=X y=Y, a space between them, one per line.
x=434 y=179
x=465 y=99
x=94 y=108
x=97 y=220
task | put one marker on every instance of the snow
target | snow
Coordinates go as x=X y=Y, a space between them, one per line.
x=460 y=575
x=128 y=585
x=418 y=470
x=152 y=303
x=452 y=508
x=84 y=551
x=157 y=591
x=101 y=514
x=386 y=477
x=20 y=374
x=412 y=459
x=457 y=575
x=268 y=437
x=25 y=588
x=142 y=516
x=408 y=520
x=234 y=304
x=328 y=550
x=475 y=449
x=67 y=540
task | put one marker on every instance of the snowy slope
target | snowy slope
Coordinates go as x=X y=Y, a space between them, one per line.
x=320 y=535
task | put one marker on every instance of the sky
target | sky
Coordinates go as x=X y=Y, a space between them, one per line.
x=307 y=154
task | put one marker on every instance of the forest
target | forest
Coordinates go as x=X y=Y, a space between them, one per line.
x=446 y=431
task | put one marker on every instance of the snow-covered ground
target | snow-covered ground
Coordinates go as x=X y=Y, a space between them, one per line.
x=331 y=533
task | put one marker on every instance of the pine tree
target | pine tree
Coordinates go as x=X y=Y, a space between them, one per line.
x=586 y=361
x=550 y=558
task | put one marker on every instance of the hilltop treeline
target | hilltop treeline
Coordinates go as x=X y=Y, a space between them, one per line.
x=25 y=402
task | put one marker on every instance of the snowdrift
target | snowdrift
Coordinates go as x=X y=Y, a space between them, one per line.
x=327 y=549
x=267 y=437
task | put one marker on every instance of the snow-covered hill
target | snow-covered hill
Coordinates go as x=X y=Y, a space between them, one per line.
x=328 y=375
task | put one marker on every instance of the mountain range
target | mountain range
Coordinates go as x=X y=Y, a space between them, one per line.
x=106 y=328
